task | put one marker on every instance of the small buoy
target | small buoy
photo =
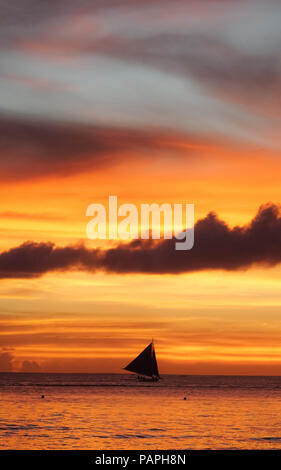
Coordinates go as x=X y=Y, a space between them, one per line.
x=42 y=396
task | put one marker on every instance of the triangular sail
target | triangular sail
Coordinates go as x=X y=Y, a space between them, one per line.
x=154 y=363
x=145 y=363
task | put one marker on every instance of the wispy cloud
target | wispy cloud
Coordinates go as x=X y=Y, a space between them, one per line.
x=207 y=67
x=31 y=148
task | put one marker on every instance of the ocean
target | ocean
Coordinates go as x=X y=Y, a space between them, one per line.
x=110 y=411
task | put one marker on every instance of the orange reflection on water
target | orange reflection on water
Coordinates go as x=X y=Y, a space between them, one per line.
x=97 y=411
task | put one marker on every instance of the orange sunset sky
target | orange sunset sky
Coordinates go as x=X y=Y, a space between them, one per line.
x=157 y=101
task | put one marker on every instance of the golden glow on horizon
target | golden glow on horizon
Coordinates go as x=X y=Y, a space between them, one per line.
x=201 y=321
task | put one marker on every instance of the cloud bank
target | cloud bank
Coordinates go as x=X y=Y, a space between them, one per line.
x=6 y=362
x=217 y=246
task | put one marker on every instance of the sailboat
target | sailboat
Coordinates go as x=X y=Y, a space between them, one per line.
x=145 y=365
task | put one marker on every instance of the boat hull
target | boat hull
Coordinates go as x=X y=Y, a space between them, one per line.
x=148 y=379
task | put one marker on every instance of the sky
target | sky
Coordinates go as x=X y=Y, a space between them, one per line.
x=155 y=102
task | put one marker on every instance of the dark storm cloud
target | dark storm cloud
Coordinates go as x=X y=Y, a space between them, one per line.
x=217 y=246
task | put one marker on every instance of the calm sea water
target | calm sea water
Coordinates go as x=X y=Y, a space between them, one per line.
x=95 y=411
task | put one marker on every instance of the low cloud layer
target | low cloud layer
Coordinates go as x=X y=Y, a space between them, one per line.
x=6 y=362
x=29 y=366
x=217 y=246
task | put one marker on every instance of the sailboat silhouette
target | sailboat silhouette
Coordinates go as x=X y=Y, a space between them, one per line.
x=145 y=365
